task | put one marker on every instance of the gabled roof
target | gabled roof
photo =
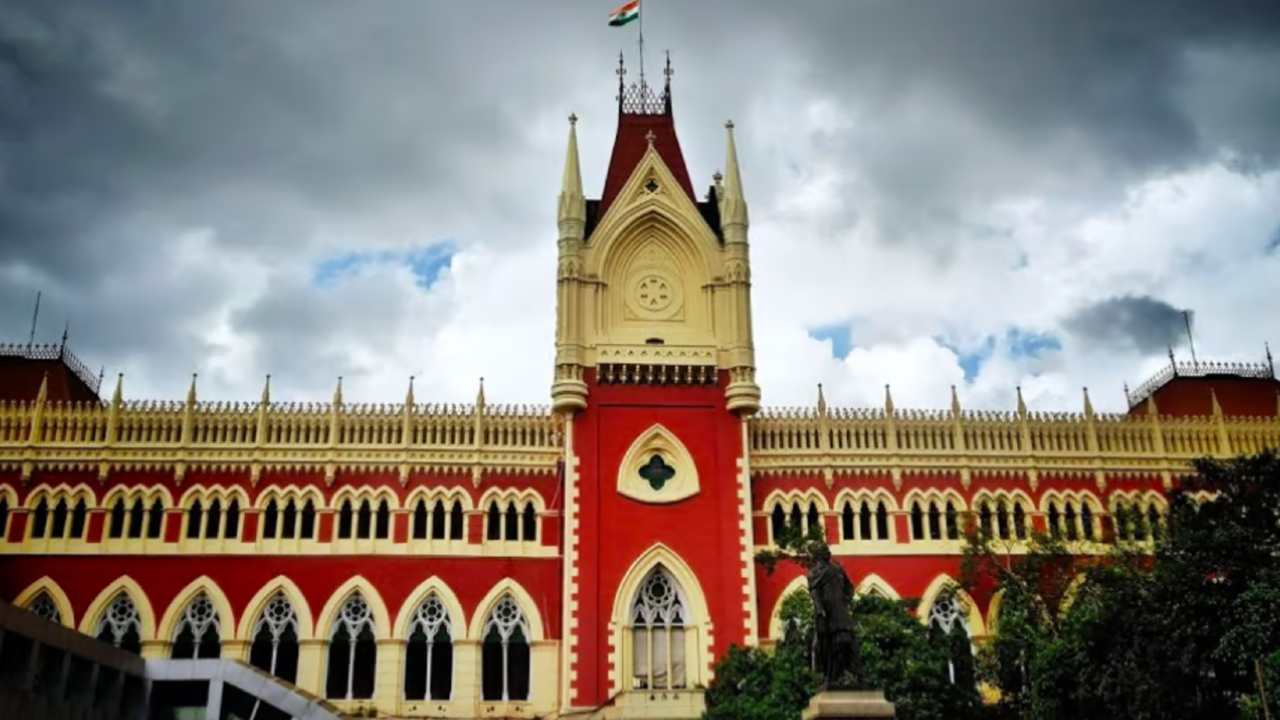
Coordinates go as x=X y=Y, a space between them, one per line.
x=629 y=146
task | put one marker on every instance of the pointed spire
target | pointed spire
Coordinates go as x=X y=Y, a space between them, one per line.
x=117 y=397
x=408 y=396
x=1213 y=399
x=1152 y=410
x=1022 y=405
x=337 y=393
x=266 y=391
x=191 y=391
x=1088 y=406
x=822 y=401
x=955 y=402
x=480 y=396
x=733 y=210
x=888 y=400
x=42 y=394
x=572 y=206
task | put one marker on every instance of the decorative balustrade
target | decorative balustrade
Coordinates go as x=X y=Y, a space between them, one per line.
x=224 y=434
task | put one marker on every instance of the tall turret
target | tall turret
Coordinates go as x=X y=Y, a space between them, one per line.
x=568 y=391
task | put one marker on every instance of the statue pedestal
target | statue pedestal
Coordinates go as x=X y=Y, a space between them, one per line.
x=848 y=705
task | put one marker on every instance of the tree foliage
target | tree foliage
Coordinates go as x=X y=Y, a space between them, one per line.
x=1182 y=629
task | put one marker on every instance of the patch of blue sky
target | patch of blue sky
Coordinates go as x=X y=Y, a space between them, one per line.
x=840 y=336
x=1017 y=342
x=426 y=263
x=1023 y=343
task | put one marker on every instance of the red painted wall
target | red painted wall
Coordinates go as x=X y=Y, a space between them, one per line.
x=614 y=530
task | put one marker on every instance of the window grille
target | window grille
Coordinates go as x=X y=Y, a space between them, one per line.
x=505 y=663
x=275 y=639
x=352 y=651
x=429 y=657
x=658 y=634
x=121 y=625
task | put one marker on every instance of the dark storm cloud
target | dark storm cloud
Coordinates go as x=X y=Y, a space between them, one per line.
x=1141 y=322
x=286 y=134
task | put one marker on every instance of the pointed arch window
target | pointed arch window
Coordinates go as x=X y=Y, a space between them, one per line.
x=4 y=519
x=121 y=625
x=953 y=522
x=1086 y=520
x=155 y=519
x=797 y=520
x=935 y=522
x=214 y=519
x=428 y=668
x=420 y=516
x=198 y=633
x=364 y=520
x=1153 y=521
x=917 y=521
x=270 y=520
x=289 y=520
x=658 y=619
x=1002 y=520
x=1020 y=521
x=529 y=523
x=59 y=529
x=813 y=518
x=344 y=520
x=43 y=606
x=437 y=520
x=382 y=521
x=275 y=639
x=117 y=519
x=777 y=522
x=946 y=617
x=864 y=521
x=846 y=521
x=505 y=654
x=353 y=654
x=1069 y=519
x=231 y=528
x=1055 y=528
x=984 y=519
x=456 y=521
x=511 y=521
x=882 y=521
x=136 y=516
x=493 y=523
x=195 y=514
x=40 y=519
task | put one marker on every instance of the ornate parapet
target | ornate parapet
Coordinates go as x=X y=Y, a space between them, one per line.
x=257 y=436
x=794 y=440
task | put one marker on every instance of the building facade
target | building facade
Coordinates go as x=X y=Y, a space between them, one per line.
x=591 y=557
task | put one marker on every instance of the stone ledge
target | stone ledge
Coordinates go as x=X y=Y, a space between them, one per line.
x=848 y=705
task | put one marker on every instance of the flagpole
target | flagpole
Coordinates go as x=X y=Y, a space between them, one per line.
x=640 y=12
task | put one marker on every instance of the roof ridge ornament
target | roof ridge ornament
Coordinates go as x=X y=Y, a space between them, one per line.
x=639 y=98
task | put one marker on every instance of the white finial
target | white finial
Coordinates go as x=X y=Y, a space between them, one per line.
x=1022 y=406
x=888 y=400
x=337 y=392
x=266 y=391
x=1213 y=398
x=408 y=396
x=480 y=395
x=1088 y=406
x=955 y=402
x=191 y=391
x=572 y=206
x=822 y=401
x=43 y=393
x=649 y=138
x=117 y=397
x=733 y=210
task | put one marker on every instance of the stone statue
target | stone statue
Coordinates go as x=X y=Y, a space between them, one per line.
x=831 y=591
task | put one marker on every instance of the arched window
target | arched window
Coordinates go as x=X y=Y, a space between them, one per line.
x=43 y=606
x=420 y=520
x=1153 y=521
x=275 y=639
x=382 y=524
x=136 y=516
x=953 y=522
x=846 y=521
x=984 y=518
x=945 y=614
x=511 y=520
x=428 y=666
x=493 y=529
x=456 y=521
x=505 y=662
x=1055 y=528
x=813 y=518
x=353 y=654
x=231 y=528
x=289 y=520
x=917 y=521
x=1086 y=520
x=935 y=522
x=364 y=519
x=4 y=519
x=529 y=523
x=40 y=519
x=437 y=520
x=797 y=520
x=120 y=624
x=214 y=519
x=882 y=521
x=344 y=520
x=195 y=514
x=1069 y=519
x=59 y=519
x=308 y=524
x=79 y=515
x=864 y=521
x=155 y=519
x=270 y=519
x=117 y=519
x=1138 y=525
x=777 y=521
x=658 y=619
x=1002 y=520
x=198 y=632
x=1020 y=521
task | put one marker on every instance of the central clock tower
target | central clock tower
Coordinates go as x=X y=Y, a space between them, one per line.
x=655 y=380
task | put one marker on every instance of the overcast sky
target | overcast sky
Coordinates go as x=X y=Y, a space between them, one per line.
x=978 y=193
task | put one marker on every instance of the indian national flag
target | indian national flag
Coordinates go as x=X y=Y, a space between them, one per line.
x=625 y=13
